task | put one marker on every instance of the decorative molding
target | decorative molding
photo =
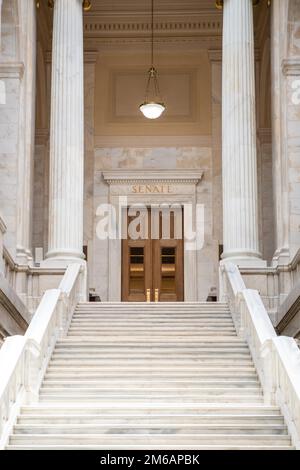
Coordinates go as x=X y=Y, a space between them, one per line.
x=189 y=93
x=99 y=26
x=291 y=67
x=265 y=135
x=215 y=55
x=207 y=42
x=156 y=176
x=41 y=136
x=11 y=70
x=90 y=57
x=152 y=141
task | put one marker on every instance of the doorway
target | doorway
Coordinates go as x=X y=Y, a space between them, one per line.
x=152 y=262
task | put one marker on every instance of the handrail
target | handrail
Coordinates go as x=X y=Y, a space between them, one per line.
x=24 y=359
x=277 y=359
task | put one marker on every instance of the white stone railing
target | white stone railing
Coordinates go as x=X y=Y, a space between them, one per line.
x=277 y=358
x=273 y=283
x=24 y=359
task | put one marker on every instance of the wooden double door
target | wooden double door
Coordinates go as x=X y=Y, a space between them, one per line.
x=152 y=268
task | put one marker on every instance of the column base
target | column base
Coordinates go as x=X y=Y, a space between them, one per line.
x=60 y=259
x=245 y=259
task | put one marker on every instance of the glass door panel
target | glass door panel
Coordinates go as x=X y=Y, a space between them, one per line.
x=136 y=270
x=168 y=270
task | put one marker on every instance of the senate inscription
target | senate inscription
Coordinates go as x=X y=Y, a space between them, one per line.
x=152 y=189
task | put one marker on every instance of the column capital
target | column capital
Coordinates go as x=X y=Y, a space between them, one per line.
x=220 y=3
x=86 y=4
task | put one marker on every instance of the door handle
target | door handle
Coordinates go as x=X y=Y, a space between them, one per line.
x=148 y=295
x=156 y=295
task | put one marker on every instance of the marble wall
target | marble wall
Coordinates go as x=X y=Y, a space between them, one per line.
x=157 y=159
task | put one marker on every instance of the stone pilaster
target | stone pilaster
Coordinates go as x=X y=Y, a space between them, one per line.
x=66 y=135
x=239 y=166
x=27 y=130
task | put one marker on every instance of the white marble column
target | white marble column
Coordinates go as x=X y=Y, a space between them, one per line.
x=0 y=23
x=66 y=135
x=239 y=166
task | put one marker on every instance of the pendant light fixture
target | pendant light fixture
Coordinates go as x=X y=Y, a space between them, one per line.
x=153 y=106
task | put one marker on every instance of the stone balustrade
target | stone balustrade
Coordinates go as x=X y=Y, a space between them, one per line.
x=277 y=358
x=24 y=359
x=274 y=283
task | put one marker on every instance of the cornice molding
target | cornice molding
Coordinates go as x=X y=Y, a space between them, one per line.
x=212 y=41
x=11 y=70
x=155 y=176
x=291 y=67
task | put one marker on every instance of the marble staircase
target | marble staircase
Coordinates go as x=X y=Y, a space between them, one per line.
x=150 y=376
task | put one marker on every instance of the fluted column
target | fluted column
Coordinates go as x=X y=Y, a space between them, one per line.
x=66 y=135
x=240 y=218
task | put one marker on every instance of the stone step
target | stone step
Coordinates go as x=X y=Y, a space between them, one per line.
x=151 y=409
x=154 y=439
x=218 y=341
x=150 y=384
x=150 y=378
x=114 y=335
x=139 y=317
x=152 y=305
x=161 y=376
x=157 y=399
x=102 y=329
x=152 y=356
x=122 y=349
x=154 y=313
x=231 y=419
x=147 y=340
x=153 y=309
x=148 y=366
x=147 y=352
x=166 y=370
x=142 y=324
x=92 y=390
x=153 y=429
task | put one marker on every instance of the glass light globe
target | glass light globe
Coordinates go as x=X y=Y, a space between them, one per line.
x=152 y=110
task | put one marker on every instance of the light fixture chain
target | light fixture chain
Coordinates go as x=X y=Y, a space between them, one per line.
x=152 y=33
